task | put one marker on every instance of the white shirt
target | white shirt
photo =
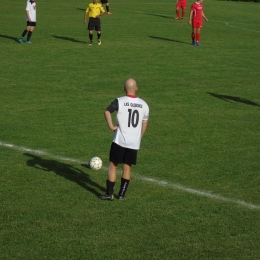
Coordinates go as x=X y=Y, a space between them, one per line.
x=31 y=8
x=131 y=113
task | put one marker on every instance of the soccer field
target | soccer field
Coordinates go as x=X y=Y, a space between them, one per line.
x=194 y=193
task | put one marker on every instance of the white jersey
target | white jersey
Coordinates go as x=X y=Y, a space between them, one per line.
x=131 y=112
x=31 y=8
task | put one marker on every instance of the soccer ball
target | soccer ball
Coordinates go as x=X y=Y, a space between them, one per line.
x=95 y=163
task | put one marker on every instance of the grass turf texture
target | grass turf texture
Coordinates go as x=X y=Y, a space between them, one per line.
x=203 y=133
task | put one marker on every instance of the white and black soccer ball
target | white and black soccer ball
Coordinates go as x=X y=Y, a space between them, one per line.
x=95 y=163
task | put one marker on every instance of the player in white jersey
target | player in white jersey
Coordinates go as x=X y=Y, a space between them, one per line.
x=132 y=121
x=30 y=20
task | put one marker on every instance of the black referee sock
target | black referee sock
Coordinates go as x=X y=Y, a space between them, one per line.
x=24 y=33
x=110 y=187
x=90 y=37
x=98 y=36
x=123 y=187
x=107 y=7
x=29 y=36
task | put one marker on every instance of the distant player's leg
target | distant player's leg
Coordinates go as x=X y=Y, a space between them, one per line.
x=198 y=37
x=29 y=35
x=177 y=13
x=22 y=36
x=90 y=36
x=193 y=36
x=183 y=13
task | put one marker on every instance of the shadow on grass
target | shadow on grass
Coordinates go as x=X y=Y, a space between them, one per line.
x=81 y=9
x=233 y=99
x=166 y=39
x=160 y=15
x=66 y=171
x=68 y=39
x=9 y=37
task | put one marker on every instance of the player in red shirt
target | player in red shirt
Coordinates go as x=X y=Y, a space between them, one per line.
x=180 y=4
x=196 y=15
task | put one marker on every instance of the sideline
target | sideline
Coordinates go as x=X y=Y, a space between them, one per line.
x=138 y=176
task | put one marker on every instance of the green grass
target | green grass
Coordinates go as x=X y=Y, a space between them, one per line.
x=203 y=135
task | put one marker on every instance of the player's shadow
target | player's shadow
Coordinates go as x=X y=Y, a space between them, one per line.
x=160 y=15
x=233 y=99
x=66 y=171
x=9 y=37
x=81 y=9
x=166 y=39
x=68 y=39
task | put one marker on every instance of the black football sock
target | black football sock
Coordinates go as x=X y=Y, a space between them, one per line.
x=98 y=36
x=110 y=187
x=24 y=33
x=107 y=7
x=123 y=187
x=90 y=37
x=29 y=36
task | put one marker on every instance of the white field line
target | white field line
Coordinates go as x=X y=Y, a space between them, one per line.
x=138 y=176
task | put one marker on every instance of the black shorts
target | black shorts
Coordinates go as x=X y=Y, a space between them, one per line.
x=119 y=154
x=31 y=23
x=94 y=24
x=104 y=1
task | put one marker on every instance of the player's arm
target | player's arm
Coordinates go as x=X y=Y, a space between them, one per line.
x=85 y=16
x=28 y=16
x=109 y=110
x=203 y=15
x=109 y=120
x=191 y=15
x=144 y=127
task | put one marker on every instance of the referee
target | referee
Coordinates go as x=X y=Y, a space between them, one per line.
x=94 y=11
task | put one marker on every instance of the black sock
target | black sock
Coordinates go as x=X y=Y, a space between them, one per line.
x=107 y=7
x=110 y=187
x=29 y=36
x=90 y=37
x=123 y=187
x=98 y=36
x=24 y=33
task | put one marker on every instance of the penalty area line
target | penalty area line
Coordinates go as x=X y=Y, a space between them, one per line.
x=138 y=176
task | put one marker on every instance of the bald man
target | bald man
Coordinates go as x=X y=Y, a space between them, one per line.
x=132 y=119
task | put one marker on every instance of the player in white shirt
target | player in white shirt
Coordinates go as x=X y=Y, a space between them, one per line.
x=132 y=121
x=30 y=20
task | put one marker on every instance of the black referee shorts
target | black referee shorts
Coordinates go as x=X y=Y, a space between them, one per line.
x=119 y=154
x=94 y=24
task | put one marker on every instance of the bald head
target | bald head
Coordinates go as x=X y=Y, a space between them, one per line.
x=130 y=86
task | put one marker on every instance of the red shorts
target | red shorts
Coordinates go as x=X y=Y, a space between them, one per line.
x=197 y=24
x=181 y=5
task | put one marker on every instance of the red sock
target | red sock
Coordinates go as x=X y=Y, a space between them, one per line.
x=183 y=14
x=193 y=37
x=178 y=13
x=198 y=37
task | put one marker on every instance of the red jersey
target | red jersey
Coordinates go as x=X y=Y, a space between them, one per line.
x=197 y=9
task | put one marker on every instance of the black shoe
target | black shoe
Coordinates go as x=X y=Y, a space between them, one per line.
x=106 y=197
x=120 y=197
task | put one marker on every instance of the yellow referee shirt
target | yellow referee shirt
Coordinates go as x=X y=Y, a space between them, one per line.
x=95 y=9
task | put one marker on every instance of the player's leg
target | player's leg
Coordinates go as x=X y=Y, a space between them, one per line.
x=98 y=29
x=193 y=36
x=110 y=182
x=125 y=179
x=183 y=13
x=177 y=13
x=197 y=36
x=29 y=35
x=24 y=32
x=130 y=157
